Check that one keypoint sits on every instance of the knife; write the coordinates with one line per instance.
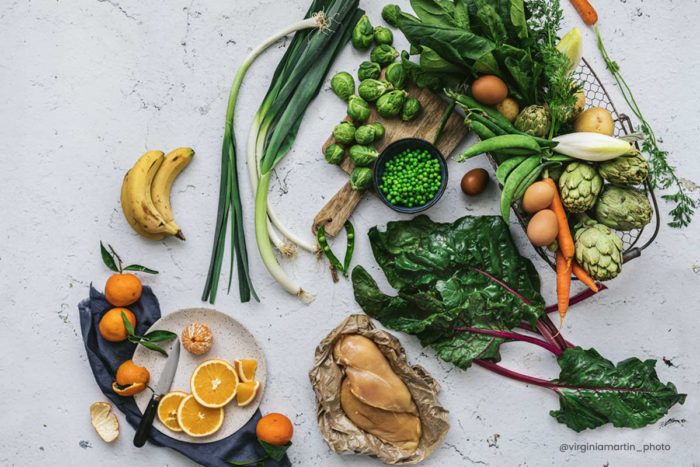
(163, 386)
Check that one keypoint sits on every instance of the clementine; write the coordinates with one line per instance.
(123, 289)
(112, 326)
(275, 429)
(130, 379)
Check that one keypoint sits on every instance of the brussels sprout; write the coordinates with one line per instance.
(372, 89)
(344, 133)
(334, 154)
(361, 178)
(343, 85)
(365, 135)
(383, 54)
(411, 109)
(378, 130)
(369, 70)
(383, 35)
(396, 75)
(363, 156)
(391, 14)
(358, 109)
(363, 34)
(391, 103)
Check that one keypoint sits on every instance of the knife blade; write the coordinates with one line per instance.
(164, 382)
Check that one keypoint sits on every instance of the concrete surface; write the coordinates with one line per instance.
(88, 85)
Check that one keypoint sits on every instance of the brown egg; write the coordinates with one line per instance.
(489, 90)
(537, 197)
(542, 229)
(474, 182)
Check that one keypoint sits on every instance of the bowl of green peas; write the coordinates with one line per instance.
(410, 175)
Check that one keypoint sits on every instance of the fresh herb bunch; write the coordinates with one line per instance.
(150, 339)
(662, 173)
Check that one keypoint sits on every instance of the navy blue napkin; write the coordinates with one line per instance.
(105, 357)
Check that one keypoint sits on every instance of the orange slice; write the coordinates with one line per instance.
(167, 409)
(197, 420)
(246, 369)
(214, 383)
(246, 392)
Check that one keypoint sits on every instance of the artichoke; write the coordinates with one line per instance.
(369, 70)
(383, 54)
(534, 120)
(372, 89)
(411, 109)
(383, 35)
(598, 251)
(334, 154)
(358, 109)
(361, 178)
(579, 186)
(623, 208)
(363, 156)
(343, 85)
(344, 133)
(378, 130)
(391, 103)
(396, 75)
(366, 134)
(625, 170)
(363, 34)
(391, 14)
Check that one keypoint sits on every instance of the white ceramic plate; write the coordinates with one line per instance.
(232, 341)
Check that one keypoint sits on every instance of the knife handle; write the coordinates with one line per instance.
(144, 428)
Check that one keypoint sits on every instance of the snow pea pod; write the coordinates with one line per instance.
(500, 143)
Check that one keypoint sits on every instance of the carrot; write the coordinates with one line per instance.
(585, 11)
(563, 286)
(564, 238)
(584, 277)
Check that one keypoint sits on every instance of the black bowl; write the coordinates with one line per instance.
(395, 149)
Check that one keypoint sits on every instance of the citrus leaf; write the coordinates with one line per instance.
(152, 346)
(108, 259)
(127, 325)
(138, 267)
(159, 336)
(275, 452)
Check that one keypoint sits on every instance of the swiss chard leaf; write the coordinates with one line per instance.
(593, 391)
(448, 277)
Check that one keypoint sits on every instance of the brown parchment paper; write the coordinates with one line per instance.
(342, 436)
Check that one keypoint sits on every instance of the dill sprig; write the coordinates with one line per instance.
(662, 173)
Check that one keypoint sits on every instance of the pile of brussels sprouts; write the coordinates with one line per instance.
(387, 95)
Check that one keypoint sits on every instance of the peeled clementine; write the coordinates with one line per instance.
(112, 326)
(274, 428)
(123, 289)
(130, 379)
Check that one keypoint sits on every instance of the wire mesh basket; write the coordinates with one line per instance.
(634, 241)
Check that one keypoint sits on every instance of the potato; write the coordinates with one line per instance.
(595, 120)
(580, 102)
(509, 108)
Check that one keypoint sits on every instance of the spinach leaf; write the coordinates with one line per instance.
(491, 22)
(518, 19)
(461, 14)
(433, 80)
(455, 45)
(593, 391)
(451, 276)
(435, 12)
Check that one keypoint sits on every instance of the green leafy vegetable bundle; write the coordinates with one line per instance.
(462, 289)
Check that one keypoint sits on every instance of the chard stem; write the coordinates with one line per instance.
(514, 336)
(514, 374)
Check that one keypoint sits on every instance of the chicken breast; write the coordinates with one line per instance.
(400, 429)
(370, 376)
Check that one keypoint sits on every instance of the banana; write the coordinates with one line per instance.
(174, 163)
(129, 213)
(137, 203)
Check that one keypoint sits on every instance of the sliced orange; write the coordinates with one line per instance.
(246, 369)
(246, 392)
(197, 420)
(167, 409)
(214, 383)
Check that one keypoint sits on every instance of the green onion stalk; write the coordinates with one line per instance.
(297, 80)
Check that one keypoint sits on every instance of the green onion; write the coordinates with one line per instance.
(296, 82)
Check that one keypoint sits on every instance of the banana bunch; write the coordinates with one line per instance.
(145, 195)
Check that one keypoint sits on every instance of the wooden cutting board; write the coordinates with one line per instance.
(341, 206)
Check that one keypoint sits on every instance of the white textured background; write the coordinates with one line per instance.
(86, 86)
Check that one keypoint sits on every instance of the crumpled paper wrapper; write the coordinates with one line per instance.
(342, 436)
